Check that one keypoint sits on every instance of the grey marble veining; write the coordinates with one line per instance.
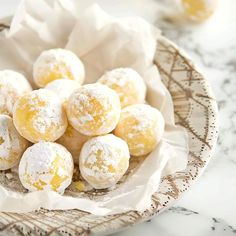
(181, 221)
(208, 208)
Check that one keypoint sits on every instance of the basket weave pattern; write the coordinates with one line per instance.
(195, 109)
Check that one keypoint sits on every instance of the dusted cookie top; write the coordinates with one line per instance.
(12, 86)
(94, 109)
(12, 145)
(39, 116)
(63, 88)
(142, 127)
(46, 166)
(104, 160)
(128, 84)
(56, 64)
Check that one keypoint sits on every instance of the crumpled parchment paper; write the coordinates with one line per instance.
(103, 42)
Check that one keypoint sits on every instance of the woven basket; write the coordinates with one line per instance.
(195, 109)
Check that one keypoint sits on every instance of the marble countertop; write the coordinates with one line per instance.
(209, 207)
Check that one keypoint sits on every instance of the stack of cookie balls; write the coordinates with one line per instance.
(95, 126)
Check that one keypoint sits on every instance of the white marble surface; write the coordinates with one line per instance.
(209, 207)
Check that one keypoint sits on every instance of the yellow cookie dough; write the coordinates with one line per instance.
(12, 145)
(128, 84)
(142, 127)
(73, 141)
(93, 109)
(12, 86)
(46, 166)
(56, 64)
(63, 88)
(199, 10)
(104, 160)
(39, 116)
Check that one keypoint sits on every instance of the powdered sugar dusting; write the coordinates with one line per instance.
(94, 104)
(121, 76)
(47, 115)
(73, 141)
(39, 116)
(12, 86)
(142, 127)
(127, 83)
(12, 145)
(61, 60)
(100, 159)
(37, 166)
(143, 114)
(63, 88)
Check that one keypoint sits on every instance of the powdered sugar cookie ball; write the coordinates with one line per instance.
(142, 127)
(56, 64)
(127, 83)
(12, 86)
(104, 160)
(12, 145)
(39, 116)
(199, 10)
(73, 141)
(94, 109)
(46, 166)
(63, 88)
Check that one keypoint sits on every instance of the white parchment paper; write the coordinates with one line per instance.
(103, 42)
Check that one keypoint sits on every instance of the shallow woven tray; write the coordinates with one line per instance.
(195, 109)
